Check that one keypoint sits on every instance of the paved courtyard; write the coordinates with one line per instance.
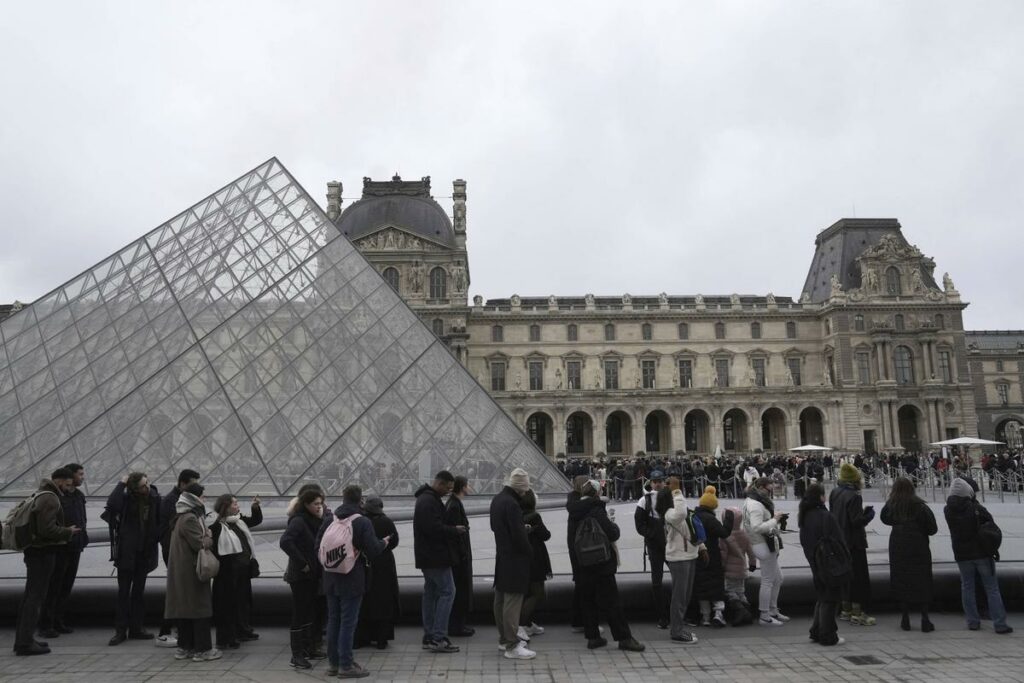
(881, 653)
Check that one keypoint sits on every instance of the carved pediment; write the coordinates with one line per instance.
(390, 238)
(890, 248)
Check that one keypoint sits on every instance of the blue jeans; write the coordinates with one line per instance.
(438, 596)
(342, 615)
(986, 569)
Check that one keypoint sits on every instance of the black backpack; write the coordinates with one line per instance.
(591, 544)
(832, 560)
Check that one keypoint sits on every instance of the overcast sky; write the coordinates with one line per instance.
(608, 147)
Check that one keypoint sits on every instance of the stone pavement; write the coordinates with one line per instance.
(748, 654)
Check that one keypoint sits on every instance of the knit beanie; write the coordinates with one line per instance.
(578, 481)
(848, 474)
(961, 488)
(709, 500)
(519, 480)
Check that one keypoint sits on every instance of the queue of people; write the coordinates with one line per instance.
(342, 573)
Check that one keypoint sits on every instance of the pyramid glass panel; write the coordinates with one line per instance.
(247, 339)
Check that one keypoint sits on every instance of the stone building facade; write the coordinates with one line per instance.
(871, 356)
(997, 368)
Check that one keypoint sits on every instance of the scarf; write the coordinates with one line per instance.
(762, 499)
(229, 543)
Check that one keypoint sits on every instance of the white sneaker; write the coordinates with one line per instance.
(165, 641)
(841, 641)
(534, 630)
(523, 635)
(183, 654)
(520, 652)
(769, 621)
(207, 656)
(780, 617)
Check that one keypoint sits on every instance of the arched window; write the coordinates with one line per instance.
(904, 362)
(893, 286)
(609, 332)
(719, 330)
(791, 330)
(940, 321)
(391, 277)
(572, 333)
(645, 331)
(898, 321)
(438, 326)
(535, 333)
(497, 334)
(755, 330)
(438, 283)
(684, 331)
(858, 323)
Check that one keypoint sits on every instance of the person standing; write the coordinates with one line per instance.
(599, 592)
(709, 579)
(344, 591)
(761, 523)
(232, 587)
(815, 523)
(681, 553)
(51, 620)
(48, 532)
(651, 527)
(379, 611)
(540, 565)
(462, 570)
(576, 609)
(513, 553)
(975, 558)
(910, 557)
(433, 542)
(738, 560)
(847, 506)
(303, 574)
(168, 515)
(133, 515)
(189, 599)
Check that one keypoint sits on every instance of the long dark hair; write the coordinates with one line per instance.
(812, 499)
(663, 503)
(903, 499)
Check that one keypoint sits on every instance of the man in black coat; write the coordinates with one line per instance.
(167, 516)
(51, 620)
(847, 506)
(511, 563)
(133, 514)
(462, 570)
(652, 528)
(433, 550)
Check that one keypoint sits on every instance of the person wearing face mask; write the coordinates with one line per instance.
(188, 599)
(232, 587)
(133, 514)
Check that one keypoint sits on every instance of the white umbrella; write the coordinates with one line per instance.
(811, 447)
(967, 441)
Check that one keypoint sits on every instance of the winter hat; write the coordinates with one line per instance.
(709, 500)
(848, 474)
(374, 506)
(519, 480)
(961, 488)
(578, 481)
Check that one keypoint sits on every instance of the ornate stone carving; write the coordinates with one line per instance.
(916, 283)
(890, 248)
(734, 299)
(627, 300)
(699, 300)
(478, 300)
(771, 299)
(663, 298)
(459, 277)
(394, 240)
(871, 280)
(516, 301)
(552, 301)
(416, 274)
(836, 286)
(589, 299)
(805, 298)
(947, 283)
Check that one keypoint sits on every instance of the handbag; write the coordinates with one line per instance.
(207, 564)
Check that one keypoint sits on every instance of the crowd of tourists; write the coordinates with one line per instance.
(342, 574)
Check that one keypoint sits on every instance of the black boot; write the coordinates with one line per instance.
(298, 643)
(314, 644)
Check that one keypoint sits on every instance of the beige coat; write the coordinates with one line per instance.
(187, 596)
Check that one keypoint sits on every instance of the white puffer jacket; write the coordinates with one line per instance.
(758, 522)
(677, 535)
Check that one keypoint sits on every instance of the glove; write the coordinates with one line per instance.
(869, 512)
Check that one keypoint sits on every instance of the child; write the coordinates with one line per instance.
(737, 558)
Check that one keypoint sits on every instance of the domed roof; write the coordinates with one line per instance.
(403, 204)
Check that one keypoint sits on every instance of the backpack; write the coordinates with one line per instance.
(696, 528)
(338, 553)
(833, 562)
(17, 526)
(591, 544)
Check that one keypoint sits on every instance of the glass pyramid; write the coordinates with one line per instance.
(249, 340)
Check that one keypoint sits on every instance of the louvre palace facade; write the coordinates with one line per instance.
(871, 356)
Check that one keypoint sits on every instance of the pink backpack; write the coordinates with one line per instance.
(338, 553)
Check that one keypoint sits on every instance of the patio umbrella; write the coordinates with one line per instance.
(967, 441)
(811, 447)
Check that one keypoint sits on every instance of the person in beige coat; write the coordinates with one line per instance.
(189, 600)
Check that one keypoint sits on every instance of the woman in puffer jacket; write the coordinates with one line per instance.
(761, 523)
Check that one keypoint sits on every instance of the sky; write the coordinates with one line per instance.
(685, 147)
